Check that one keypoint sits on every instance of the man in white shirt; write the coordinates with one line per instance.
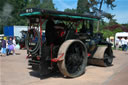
(124, 44)
(118, 43)
(127, 43)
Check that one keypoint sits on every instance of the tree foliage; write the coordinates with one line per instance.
(110, 3)
(70, 10)
(82, 6)
(32, 3)
(2, 4)
(18, 6)
(47, 4)
(110, 30)
(99, 3)
(10, 10)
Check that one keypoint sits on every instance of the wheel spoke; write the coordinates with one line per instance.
(74, 58)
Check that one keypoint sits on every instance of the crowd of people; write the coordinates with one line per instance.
(122, 42)
(8, 46)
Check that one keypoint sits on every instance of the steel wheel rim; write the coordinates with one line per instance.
(74, 58)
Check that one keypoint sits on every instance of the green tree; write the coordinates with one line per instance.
(17, 7)
(117, 30)
(5, 15)
(32, 3)
(10, 10)
(110, 3)
(126, 24)
(2, 2)
(106, 33)
(112, 21)
(98, 3)
(9, 13)
(83, 6)
(70, 10)
(47, 4)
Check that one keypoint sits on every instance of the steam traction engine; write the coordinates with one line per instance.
(64, 48)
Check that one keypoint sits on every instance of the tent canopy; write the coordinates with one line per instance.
(59, 15)
(121, 34)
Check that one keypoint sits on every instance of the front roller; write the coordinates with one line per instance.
(74, 60)
(102, 57)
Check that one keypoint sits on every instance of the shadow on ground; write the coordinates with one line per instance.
(100, 66)
(52, 74)
(17, 53)
(126, 53)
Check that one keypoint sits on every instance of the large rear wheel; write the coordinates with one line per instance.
(74, 59)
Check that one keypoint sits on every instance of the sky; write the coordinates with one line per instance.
(120, 11)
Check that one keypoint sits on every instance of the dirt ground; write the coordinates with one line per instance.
(14, 70)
